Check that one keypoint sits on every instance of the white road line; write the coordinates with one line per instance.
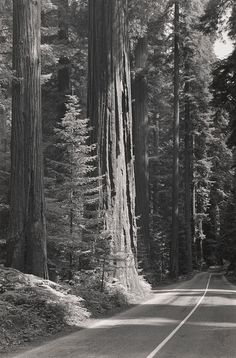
(163, 343)
(181, 290)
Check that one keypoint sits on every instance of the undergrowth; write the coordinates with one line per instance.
(32, 308)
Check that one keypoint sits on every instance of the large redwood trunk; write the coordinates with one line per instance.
(110, 111)
(27, 230)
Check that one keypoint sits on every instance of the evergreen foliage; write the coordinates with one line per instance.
(73, 191)
(76, 185)
(223, 90)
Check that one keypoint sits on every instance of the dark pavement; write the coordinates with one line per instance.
(194, 319)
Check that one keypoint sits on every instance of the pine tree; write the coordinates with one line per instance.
(74, 192)
(77, 185)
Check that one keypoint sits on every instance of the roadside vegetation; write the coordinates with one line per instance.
(32, 308)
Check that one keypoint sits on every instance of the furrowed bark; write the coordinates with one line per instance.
(27, 229)
(110, 111)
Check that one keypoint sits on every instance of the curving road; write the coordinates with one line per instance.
(194, 319)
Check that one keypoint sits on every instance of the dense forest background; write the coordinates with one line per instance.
(121, 121)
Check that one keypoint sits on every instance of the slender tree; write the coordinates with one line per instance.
(175, 189)
(63, 75)
(188, 176)
(110, 111)
(141, 150)
(27, 228)
(188, 139)
(63, 19)
(3, 137)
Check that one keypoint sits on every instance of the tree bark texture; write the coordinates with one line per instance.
(110, 111)
(174, 252)
(194, 206)
(188, 173)
(199, 241)
(64, 61)
(27, 230)
(3, 138)
(63, 19)
(141, 151)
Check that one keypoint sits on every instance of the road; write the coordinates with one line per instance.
(194, 319)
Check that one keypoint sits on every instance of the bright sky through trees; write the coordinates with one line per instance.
(223, 47)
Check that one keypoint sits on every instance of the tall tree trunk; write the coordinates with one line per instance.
(199, 242)
(174, 252)
(194, 205)
(188, 173)
(27, 229)
(141, 151)
(63, 19)
(110, 111)
(3, 138)
(217, 228)
(64, 61)
(154, 143)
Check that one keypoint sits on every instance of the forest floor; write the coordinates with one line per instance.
(33, 310)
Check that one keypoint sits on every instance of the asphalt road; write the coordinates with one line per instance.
(194, 319)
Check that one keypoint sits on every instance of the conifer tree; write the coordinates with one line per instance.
(76, 184)
(74, 192)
